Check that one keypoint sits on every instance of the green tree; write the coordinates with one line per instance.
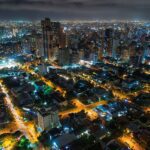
(23, 144)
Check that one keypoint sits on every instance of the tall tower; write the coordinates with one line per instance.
(63, 56)
(102, 40)
(53, 38)
(46, 25)
(109, 41)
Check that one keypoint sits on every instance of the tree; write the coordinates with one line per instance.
(23, 144)
(47, 90)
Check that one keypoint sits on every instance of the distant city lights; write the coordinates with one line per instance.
(8, 63)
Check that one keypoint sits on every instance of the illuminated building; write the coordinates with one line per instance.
(48, 119)
(62, 39)
(25, 45)
(125, 55)
(35, 41)
(2, 32)
(74, 56)
(63, 56)
(101, 49)
(73, 40)
(132, 51)
(115, 46)
(108, 41)
(93, 57)
(14, 32)
(81, 54)
(53, 38)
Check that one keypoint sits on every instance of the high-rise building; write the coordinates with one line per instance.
(48, 119)
(116, 44)
(14, 32)
(2, 32)
(63, 56)
(53, 38)
(109, 41)
(81, 54)
(74, 56)
(125, 55)
(101, 49)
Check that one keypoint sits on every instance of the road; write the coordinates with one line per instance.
(27, 131)
(107, 86)
(46, 81)
(8, 143)
(80, 106)
(128, 140)
(10, 128)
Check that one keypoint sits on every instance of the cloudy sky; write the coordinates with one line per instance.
(75, 9)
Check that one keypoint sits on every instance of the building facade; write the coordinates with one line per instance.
(48, 119)
(53, 38)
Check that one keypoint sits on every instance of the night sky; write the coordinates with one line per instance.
(75, 9)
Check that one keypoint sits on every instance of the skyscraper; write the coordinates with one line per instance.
(101, 48)
(53, 38)
(109, 41)
(63, 56)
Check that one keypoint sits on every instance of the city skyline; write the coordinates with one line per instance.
(74, 75)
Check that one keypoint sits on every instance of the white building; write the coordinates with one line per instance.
(48, 119)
